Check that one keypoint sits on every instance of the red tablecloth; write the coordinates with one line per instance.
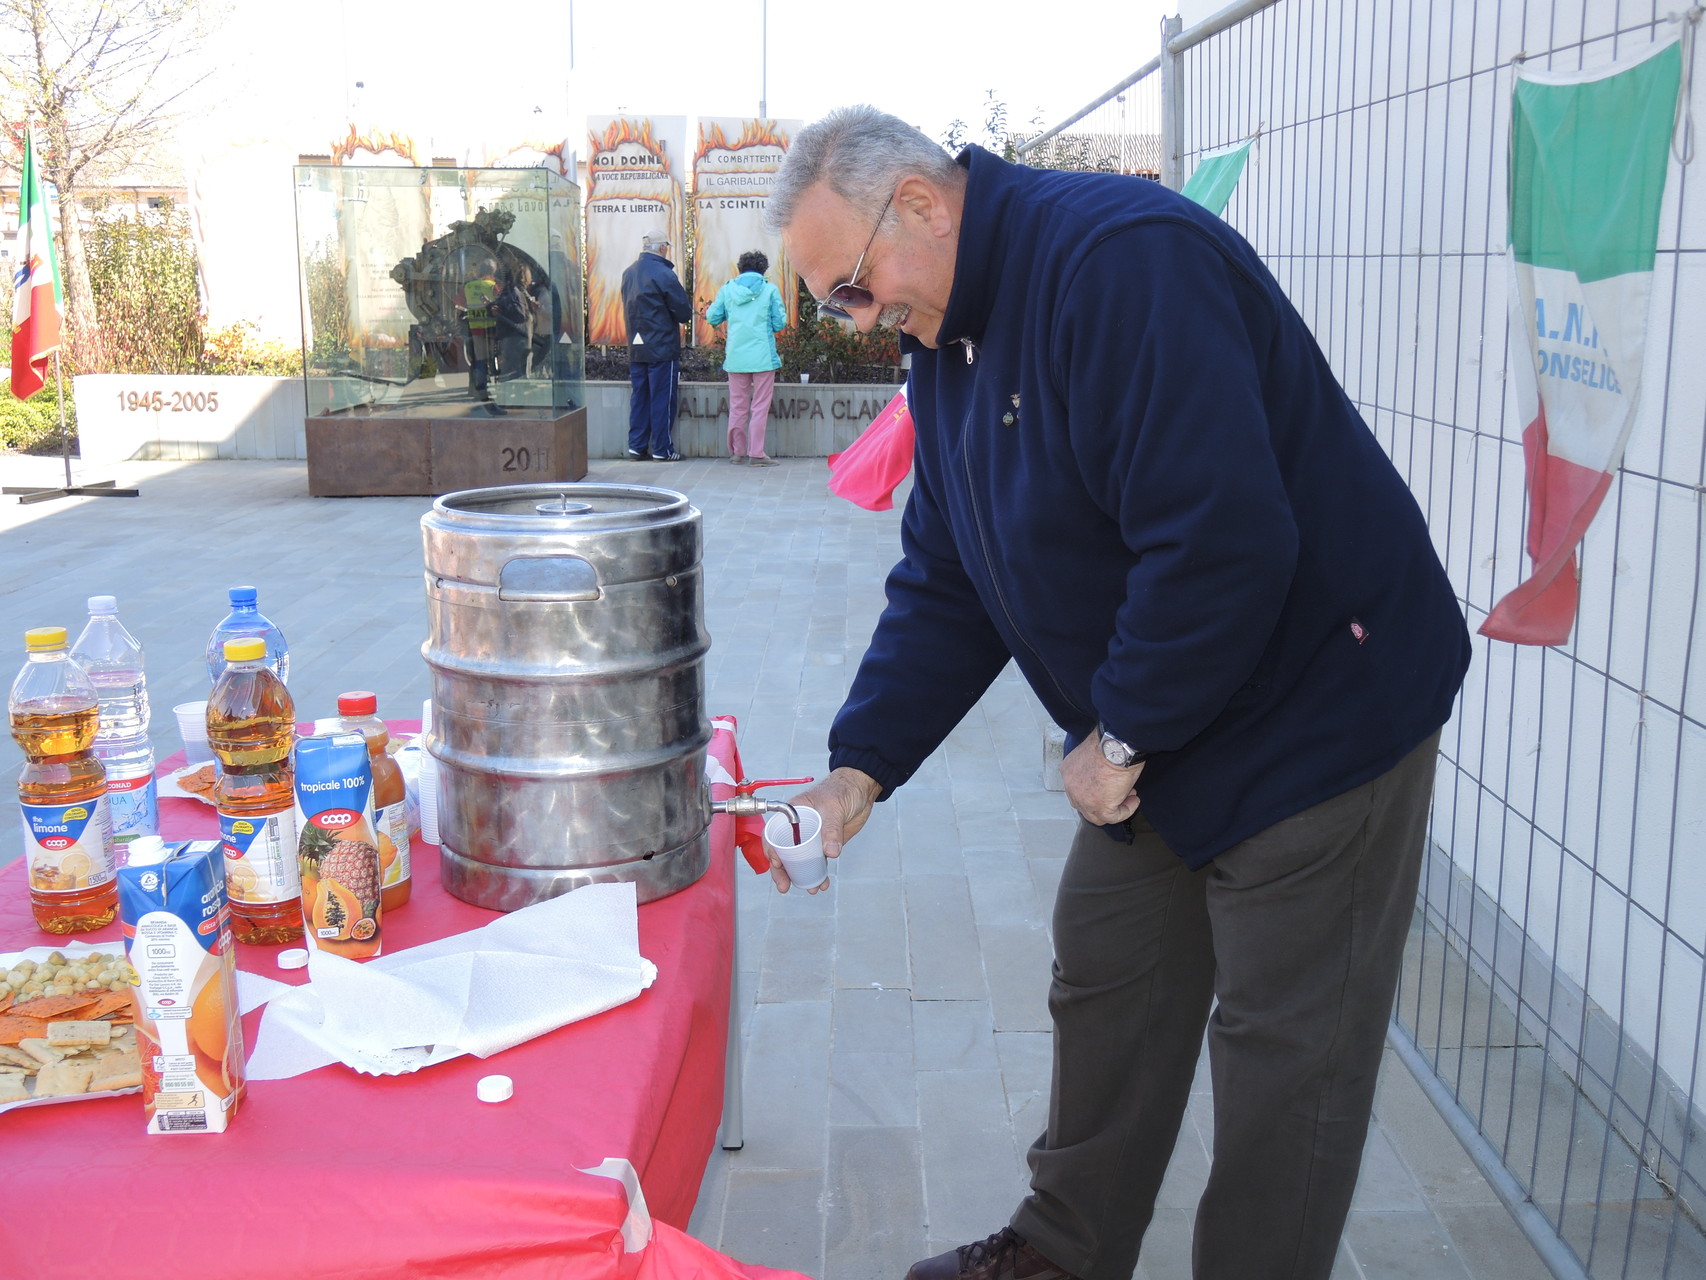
(336, 1174)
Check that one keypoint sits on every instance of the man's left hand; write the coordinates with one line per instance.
(1101, 792)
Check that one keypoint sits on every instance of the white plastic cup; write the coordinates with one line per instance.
(192, 728)
(805, 377)
(805, 863)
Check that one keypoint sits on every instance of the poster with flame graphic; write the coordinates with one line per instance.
(732, 170)
(634, 185)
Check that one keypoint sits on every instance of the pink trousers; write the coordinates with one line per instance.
(749, 409)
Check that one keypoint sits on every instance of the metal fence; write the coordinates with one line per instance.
(1551, 1000)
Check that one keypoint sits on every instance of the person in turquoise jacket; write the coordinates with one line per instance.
(752, 308)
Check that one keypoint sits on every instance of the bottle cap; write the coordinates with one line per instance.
(245, 650)
(293, 958)
(103, 604)
(147, 851)
(241, 595)
(358, 703)
(39, 638)
(494, 1089)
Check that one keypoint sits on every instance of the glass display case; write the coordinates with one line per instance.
(444, 292)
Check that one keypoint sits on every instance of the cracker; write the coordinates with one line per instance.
(12, 1089)
(63, 1079)
(17, 1058)
(49, 1007)
(14, 1028)
(77, 1033)
(43, 1052)
(116, 1071)
(107, 1004)
(6, 998)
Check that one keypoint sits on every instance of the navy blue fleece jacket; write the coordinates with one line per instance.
(1137, 477)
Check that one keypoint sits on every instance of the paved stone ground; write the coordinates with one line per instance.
(896, 1036)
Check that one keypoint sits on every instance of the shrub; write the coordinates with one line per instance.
(237, 349)
(32, 426)
(142, 269)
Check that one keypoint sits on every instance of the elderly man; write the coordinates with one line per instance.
(1137, 478)
(654, 307)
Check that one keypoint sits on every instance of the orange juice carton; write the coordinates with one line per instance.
(177, 936)
(338, 850)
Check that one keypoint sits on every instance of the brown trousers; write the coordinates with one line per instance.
(1295, 936)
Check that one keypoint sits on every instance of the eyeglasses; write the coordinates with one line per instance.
(847, 295)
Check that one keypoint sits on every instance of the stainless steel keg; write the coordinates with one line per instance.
(567, 644)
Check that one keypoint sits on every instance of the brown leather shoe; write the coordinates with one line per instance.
(1004, 1256)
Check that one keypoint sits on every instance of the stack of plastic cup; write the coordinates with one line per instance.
(428, 784)
(192, 728)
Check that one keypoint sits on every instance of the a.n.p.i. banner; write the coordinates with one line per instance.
(733, 166)
(1588, 155)
(634, 176)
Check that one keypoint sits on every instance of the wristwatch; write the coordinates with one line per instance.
(1122, 755)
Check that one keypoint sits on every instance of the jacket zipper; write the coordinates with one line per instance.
(989, 560)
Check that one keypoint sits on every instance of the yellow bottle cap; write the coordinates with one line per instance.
(244, 650)
(38, 638)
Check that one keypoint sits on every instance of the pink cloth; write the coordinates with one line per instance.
(868, 471)
(749, 411)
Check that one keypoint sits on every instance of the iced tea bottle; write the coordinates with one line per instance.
(62, 789)
(360, 714)
(251, 727)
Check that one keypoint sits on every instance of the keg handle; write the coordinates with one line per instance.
(743, 804)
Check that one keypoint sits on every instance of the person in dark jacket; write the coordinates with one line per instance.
(512, 311)
(1137, 478)
(655, 306)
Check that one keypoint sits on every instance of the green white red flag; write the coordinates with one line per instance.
(37, 302)
(1588, 155)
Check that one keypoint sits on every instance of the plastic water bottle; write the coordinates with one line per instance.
(244, 620)
(112, 658)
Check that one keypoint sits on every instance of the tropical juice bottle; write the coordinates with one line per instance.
(62, 789)
(251, 727)
(360, 714)
(178, 938)
(338, 857)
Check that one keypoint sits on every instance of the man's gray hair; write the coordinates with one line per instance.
(861, 153)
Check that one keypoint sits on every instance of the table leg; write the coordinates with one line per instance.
(733, 1134)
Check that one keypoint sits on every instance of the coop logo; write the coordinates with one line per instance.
(336, 819)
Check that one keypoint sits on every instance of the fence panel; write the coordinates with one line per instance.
(1551, 999)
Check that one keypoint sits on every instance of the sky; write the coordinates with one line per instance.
(430, 69)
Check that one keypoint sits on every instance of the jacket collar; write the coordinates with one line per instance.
(991, 186)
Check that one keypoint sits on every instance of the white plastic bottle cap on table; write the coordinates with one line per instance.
(293, 958)
(494, 1089)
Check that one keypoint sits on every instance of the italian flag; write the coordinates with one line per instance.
(36, 298)
(1588, 154)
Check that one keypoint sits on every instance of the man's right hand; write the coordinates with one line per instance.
(843, 800)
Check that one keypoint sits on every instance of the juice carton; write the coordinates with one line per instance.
(338, 852)
(177, 935)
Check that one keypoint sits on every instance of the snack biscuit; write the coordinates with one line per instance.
(62, 1035)
(64, 1079)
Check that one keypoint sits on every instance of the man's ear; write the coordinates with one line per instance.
(918, 198)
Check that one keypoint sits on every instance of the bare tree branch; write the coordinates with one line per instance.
(101, 79)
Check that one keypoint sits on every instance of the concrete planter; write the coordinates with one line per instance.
(121, 416)
(125, 416)
(807, 420)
